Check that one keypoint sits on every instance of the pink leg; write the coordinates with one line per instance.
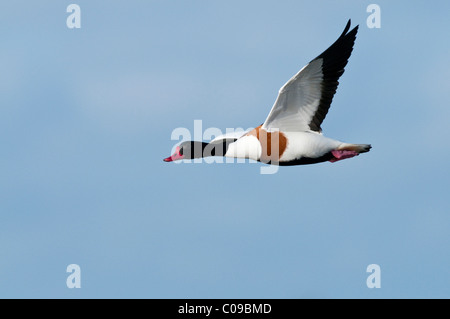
(342, 154)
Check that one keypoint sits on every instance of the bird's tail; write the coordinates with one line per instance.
(359, 148)
(346, 150)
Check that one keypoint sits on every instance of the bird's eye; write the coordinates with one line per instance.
(180, 152)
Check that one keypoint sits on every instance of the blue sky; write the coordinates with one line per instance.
(86, 117)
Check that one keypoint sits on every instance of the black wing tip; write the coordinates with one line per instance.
(335, 59)
(347, 27)
(346, 39)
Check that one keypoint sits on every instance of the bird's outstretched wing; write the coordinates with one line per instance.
(303, 102)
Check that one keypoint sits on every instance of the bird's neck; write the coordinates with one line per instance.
(219, 148)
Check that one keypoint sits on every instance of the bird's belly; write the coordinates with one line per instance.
(245, 147)
(307, 146)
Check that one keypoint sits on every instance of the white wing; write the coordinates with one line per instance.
(303, 102)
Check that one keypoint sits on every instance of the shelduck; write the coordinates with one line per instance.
(291, 134)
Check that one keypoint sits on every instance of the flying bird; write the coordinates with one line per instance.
(292, 133)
